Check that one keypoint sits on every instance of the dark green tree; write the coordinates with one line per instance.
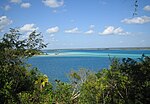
(16, 77)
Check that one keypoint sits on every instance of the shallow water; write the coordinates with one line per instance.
(58, 64)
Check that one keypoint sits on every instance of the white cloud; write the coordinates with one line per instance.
(7, 7)
(74, 30)
(110, 30)
(52, 30)
(4, 21)
(137, 20)
(89, 32)
(16, 1)
(147, 8)
(92, 26)
(28, 28)
(53, 3)
(25, 5)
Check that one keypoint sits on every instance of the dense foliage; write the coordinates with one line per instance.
(19, 83)
(124, 82)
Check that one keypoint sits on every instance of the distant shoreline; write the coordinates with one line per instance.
(116, 48)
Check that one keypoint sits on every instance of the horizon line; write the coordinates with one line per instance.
(107, 48)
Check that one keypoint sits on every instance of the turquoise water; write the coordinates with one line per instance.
(57, 64)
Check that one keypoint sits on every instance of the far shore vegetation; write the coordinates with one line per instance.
(126, 81)
(115, 48)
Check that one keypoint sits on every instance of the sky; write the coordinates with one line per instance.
(79, 23)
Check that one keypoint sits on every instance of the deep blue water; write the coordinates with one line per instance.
(58, 66)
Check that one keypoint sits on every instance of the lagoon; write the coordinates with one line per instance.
(57, 64)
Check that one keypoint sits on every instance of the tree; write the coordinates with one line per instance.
(16, 77)
(135, 8)
(125, 82)
(139, 77)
